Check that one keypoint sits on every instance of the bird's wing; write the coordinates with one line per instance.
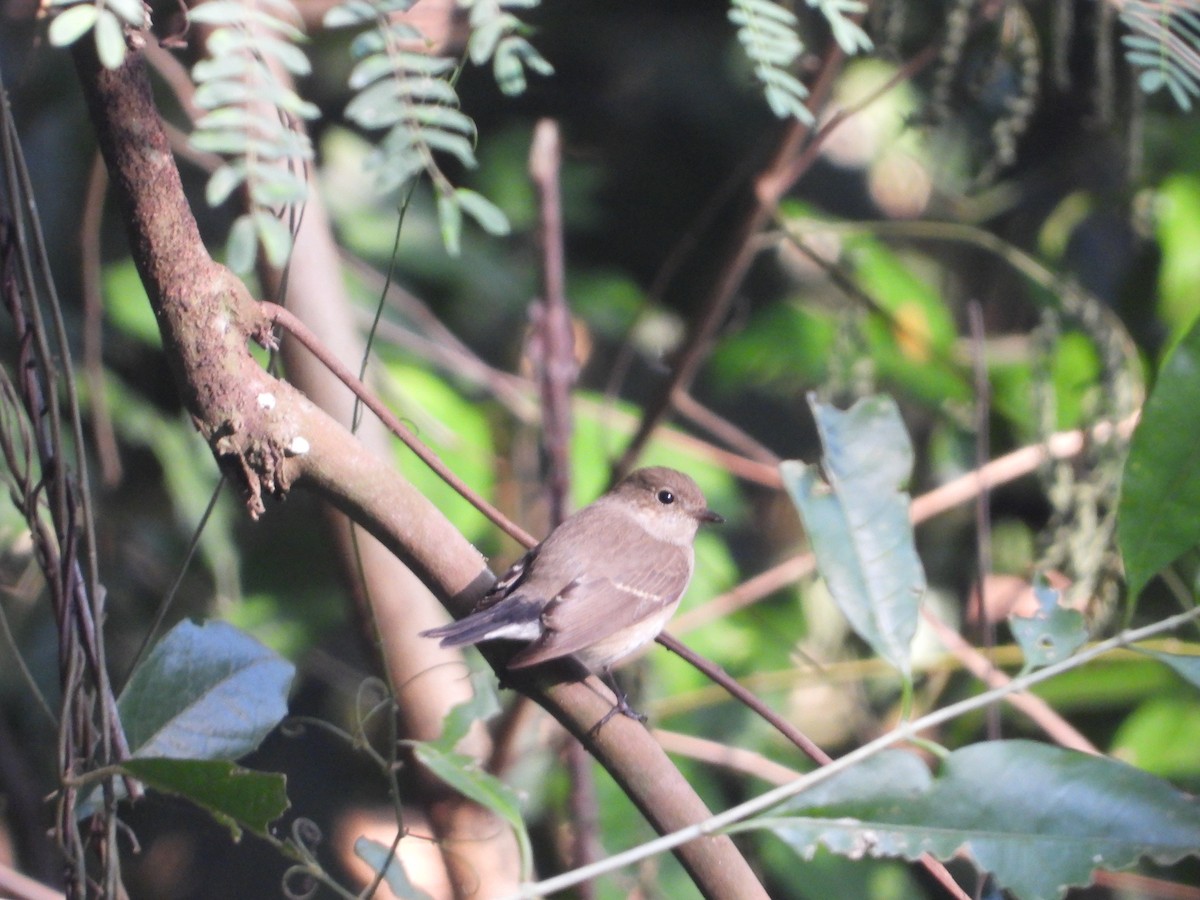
(592, 609)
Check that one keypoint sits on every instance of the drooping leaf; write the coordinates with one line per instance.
(275, 236)
(450, 221)
(489, 216)
(110, 39)
(1160, 492)
(1038, 817)
(857, 520)
(378, 856)
(464, 775)
(236, 797)
(131, 11)
(242, 245)
(1052, 633)
(204, 692)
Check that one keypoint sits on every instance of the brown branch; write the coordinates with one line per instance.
(552, 344)
(93, 324)
(268, 437)
(551, 348)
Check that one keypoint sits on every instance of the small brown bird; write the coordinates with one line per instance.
(603, 583)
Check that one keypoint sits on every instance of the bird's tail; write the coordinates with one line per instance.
(515, 618)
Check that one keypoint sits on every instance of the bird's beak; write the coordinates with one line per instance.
(709, 516)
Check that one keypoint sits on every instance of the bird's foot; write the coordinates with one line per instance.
(621, 706)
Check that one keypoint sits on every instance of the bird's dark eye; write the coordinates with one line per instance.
(665, 497)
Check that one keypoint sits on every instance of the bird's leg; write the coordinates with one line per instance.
(621, 706)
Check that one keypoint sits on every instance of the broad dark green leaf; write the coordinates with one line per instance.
(205, 692)
(1040, 818)
(1160, 491)
(237, 798)
(464, 775)
(1052, 633)
(377, 856)
(857, 521)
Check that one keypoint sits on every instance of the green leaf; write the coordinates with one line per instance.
(70, 24)
(237, 798)
(353, 12)
(223, 141)
(381, 859)
(204, 692)
(1052, 633)
(242, 245)
(462, 774)
(1038, 817)
(483, 705)
(131, 11)
(223, 182)
(110, 39)
(489, 216)
(1160, 491)
(275, 236)
(858, 523)
(450, 220)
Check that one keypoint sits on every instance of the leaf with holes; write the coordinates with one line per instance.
(1052, 633)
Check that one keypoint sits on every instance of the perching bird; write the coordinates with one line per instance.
(601, 584)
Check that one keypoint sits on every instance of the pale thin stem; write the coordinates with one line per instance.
(904, 732)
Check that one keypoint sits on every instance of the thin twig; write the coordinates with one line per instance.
(719, 676)
(278, 315)
(768, 189)
(551, 347)
(93, 324)
(793, 734)
(551, 342)
(983, 513)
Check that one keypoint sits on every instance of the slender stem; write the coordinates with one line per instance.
(278, 315)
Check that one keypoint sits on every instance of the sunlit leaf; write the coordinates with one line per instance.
(242, 245)
(450, 221)
(70, 24)
(489, 216)
(110, 39)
